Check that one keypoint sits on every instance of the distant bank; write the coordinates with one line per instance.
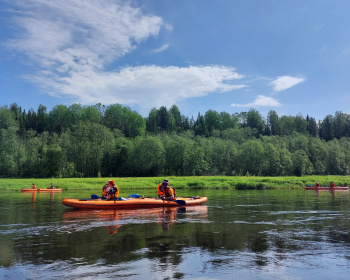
(192, 182)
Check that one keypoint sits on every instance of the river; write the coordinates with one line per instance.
(255, 234)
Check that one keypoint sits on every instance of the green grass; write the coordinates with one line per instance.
(195, 182)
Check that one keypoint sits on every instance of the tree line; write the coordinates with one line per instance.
(98, 140)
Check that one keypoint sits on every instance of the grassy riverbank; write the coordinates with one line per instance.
(195, 182)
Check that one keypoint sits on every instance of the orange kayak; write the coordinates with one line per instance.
(327, 188)
(41, 190)
(131, 202)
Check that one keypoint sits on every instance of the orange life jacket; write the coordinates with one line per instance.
(332, 185)
(160, 192)
(104, 191)
(166, 193)
(114, 192)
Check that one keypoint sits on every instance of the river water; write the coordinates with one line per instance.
(255, 234)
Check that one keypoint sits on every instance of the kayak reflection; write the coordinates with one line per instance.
(114, 219)
(34, 195)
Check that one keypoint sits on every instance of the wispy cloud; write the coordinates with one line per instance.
(72, 42)
(285, 82)
(160, 49)
(147, 86)
(73, 35)
(260, 101)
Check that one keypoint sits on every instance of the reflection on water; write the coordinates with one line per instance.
(235, 235)
(114, 219)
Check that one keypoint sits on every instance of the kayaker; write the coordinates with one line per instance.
(112, 190)
(52, 186)
(104, 191)
(161, 187)
(169, 192)
(332, 185)
(317, 184)
(33, 186)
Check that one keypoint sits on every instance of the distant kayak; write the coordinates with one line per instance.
(327, 188)
(41, 190)
(131, 202)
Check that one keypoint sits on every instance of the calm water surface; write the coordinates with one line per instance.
(269, 234)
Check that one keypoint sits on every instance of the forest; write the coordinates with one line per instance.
(114, 141)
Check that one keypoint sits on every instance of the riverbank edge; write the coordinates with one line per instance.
(190, 182)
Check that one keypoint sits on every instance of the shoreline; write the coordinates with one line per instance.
(181, 182)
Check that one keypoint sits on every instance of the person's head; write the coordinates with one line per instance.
(165, 184)
(110, 182)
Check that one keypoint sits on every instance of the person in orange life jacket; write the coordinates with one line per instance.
(168, 192)
(33, 186)
(332, 185)
(317, 184)
(104, 191)
(161, 188)
(112, 190)
(51, 186)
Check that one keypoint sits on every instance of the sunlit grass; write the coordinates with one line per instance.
(195, 182)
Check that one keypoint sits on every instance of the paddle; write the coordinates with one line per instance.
(180, 202)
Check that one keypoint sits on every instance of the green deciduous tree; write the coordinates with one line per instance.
(53, 161)
(301, 164)
(88, 144)
(251, 157)
(148, 156)
(59, 119)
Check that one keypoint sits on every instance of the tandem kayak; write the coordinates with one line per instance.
(327, 188)
(41, 190)
(132, 202)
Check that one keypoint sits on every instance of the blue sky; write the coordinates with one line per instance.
(291, 56)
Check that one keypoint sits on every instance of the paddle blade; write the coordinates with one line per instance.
(180, 202)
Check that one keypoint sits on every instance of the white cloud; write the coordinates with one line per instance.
(160, 49)
(260, 101)
(72, 42)
(70, 35)
(146, 86)
(285, 82)
(168, 27)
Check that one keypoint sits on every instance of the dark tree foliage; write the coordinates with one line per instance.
(327, 128)
(312, 126)
(98, 140)
(200, 128)
(255, 121)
